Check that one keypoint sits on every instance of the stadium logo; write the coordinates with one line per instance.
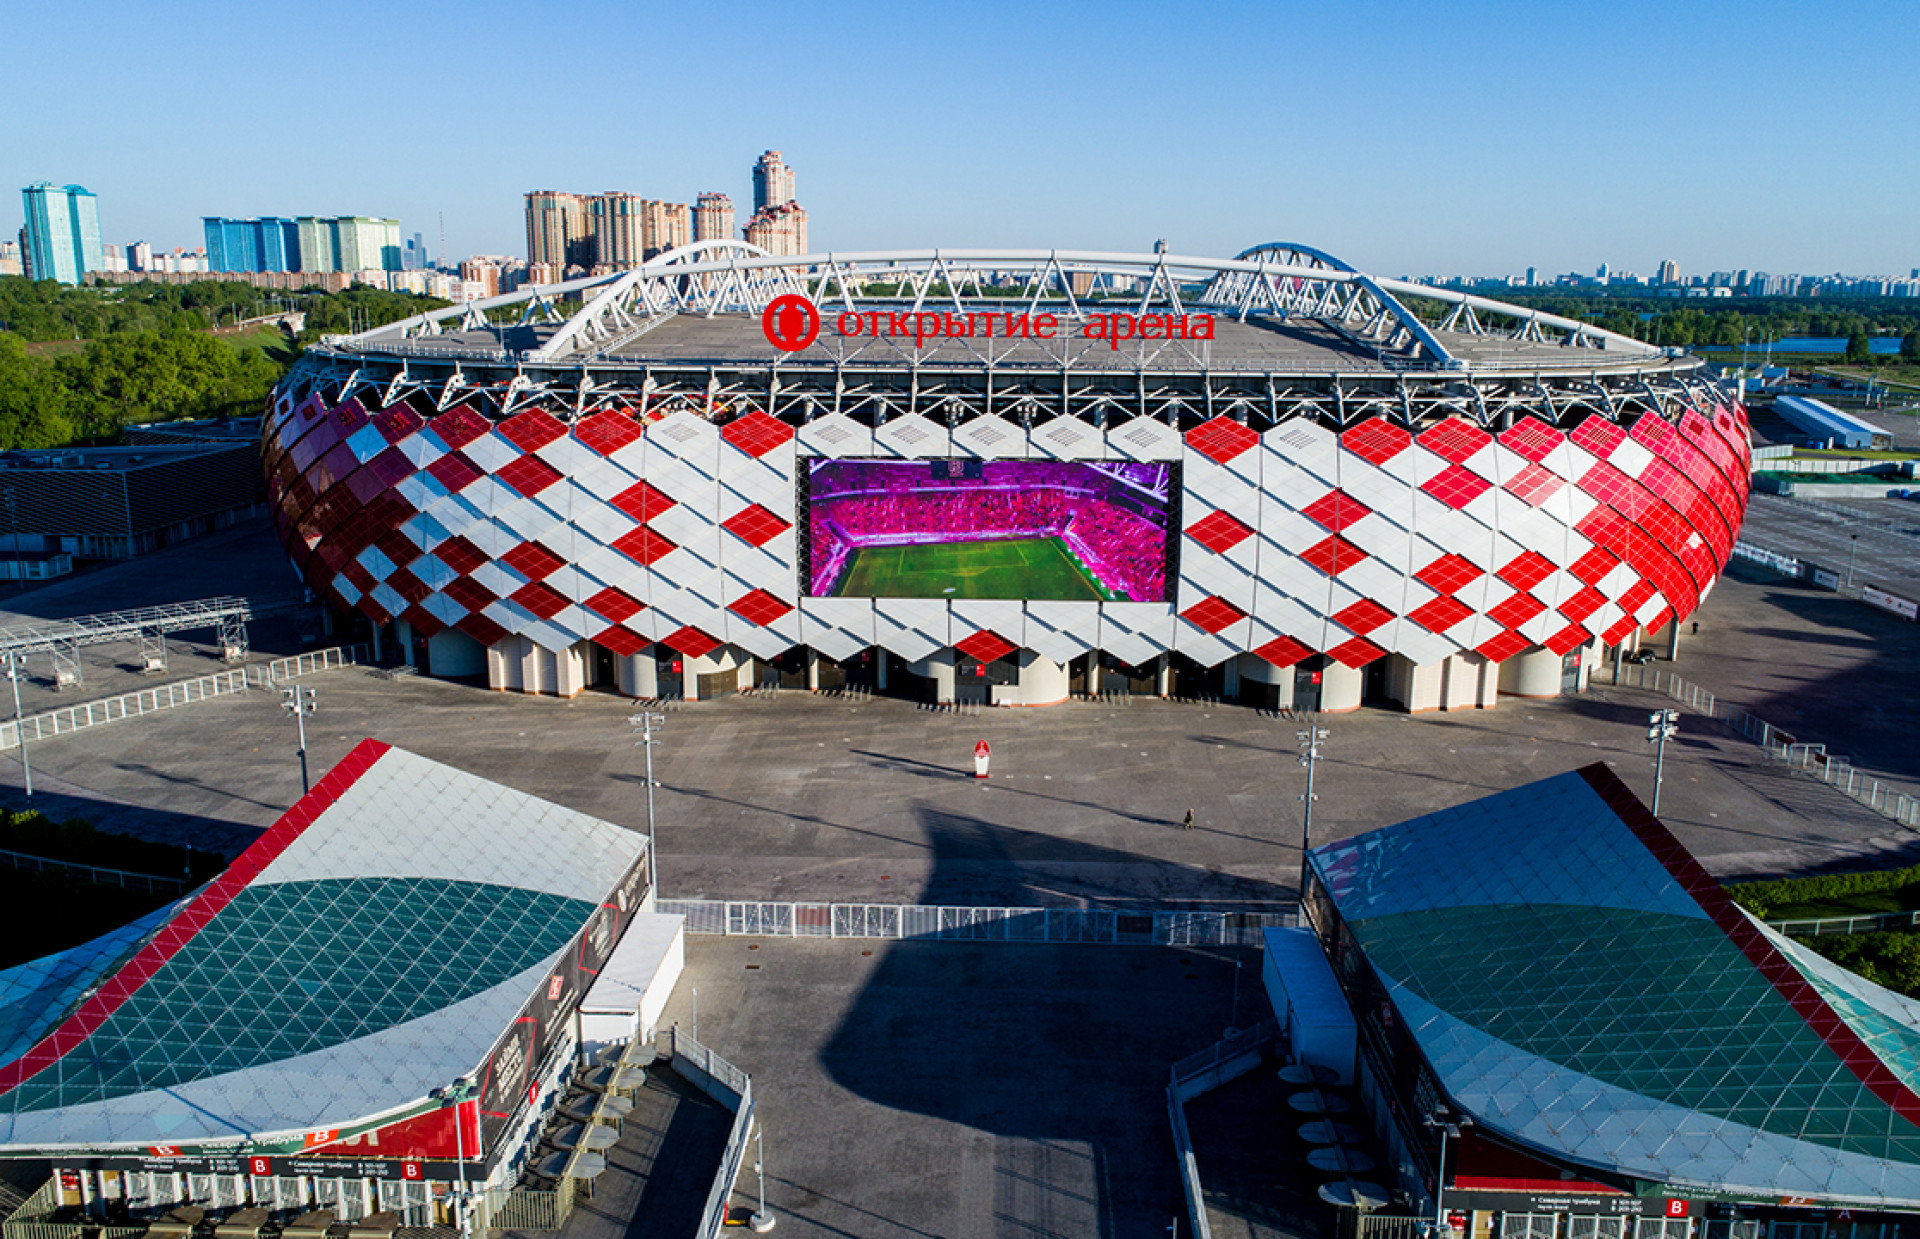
(791, 322)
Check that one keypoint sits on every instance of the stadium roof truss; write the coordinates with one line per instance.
(581, 331)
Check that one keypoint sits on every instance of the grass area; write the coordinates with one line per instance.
(1854, 453)
(1040, 568)
(54, 348)
(268, 340)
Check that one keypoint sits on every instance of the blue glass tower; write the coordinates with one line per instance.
(62, 233)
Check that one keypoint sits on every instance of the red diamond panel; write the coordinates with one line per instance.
(454, 471)
(1516, 610)
(1456, 486)
(398, 547)
(759, 607)
(644, 546)
(460, 427)
(1222, 439)
(641, 501)
(1333, 555)
(608, 431)
(985, 646)
(1583, 604)
(424, 622)
(1621, 630)
(529, 475)
(1594, 566)
(391, 467)
(691, 642)
(1219, 532)
(1641, 591)
(1283, 651)
(1355, 653)
(482, 629)
(1376, 440)
(1535, 484)
(540, 598)
(460, 555)
(1569, 638)
(622, 641)
(532, 561)
(756, 434)
(1213, 614)
(1336, 510)
(1363, 616)
(1526, 570)
(755, 525)
(1499, 649)
(1598, 435)
(615, 604)
(360, 578)
(1454, 439)
(373, 610)
(1530, 438)
(532, 429)
(1449, 574)
(470, 593)
(1440, 614)
(396, 423)
(410, 587)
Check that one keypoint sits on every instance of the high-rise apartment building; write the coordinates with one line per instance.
(365, 243)
(266, 244)
(10, 258)
(1667, 273)
(779, 230)
(669, 225)
(713, 218)
(618, 224)
(317, 242)
(772, 182)
(140, 256)
(558, 231)
(61, 240)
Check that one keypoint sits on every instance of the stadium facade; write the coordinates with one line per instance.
(1008, 477)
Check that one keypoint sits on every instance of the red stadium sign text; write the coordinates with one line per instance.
(1115, 328)
(790, 322)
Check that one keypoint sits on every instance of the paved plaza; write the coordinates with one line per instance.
(982, 1089)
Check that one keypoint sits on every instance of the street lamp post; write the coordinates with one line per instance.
(1449, 1125)
(1310, 738)
(761, 1222)
(299, 703)
(458, 1092)
(1661, 726)
(1853, 544)
(19, 725)
(645, 721)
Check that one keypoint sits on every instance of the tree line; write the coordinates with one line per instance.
(145, 354)
(1730, 322)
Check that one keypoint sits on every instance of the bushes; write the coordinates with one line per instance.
(35, 834)
(1842, 891)
(1888, 957)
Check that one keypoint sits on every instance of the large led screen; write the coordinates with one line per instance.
(1061, 531)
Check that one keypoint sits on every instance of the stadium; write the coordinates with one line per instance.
(1007, 477)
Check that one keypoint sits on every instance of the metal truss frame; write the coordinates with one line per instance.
(574, 372)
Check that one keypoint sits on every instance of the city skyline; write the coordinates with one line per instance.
(1400, 138)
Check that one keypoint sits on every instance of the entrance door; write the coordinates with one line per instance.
(601, 669)
(1570, 670)
(1307, 676)
(718, 684)
(670, 681)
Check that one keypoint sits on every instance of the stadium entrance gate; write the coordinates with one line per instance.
(670, 680)
(1190, 679)
(791, 668)
(1307, 676)
(1119, 677)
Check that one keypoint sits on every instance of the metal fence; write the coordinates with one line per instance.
(1783, 746)
(32, 1220)
(1239, 1052)
(81, 716)
(523, 1208)
(1821, 926)
(1144, 927)
(91, 873)
(732, 1088)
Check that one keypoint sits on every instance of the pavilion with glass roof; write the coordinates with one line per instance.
(373, 997)
(1548, 978)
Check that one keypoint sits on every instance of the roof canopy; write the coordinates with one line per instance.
(1581, 986)
(370, 947)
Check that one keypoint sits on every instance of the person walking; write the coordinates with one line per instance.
(1186, 823)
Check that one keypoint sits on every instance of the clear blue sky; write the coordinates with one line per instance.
(1409, 138)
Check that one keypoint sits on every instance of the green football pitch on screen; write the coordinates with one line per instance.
(1042, 569)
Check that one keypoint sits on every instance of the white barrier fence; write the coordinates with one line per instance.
(732, 1088)
(1241, 1051)
(1824, 578)
(1145, 927)
(1781, 745)
(86, 714)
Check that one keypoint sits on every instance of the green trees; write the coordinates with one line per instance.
(1859, 347)
(1910, 347)
(33, 400)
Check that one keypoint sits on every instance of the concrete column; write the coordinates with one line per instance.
(1341, 687)
(1043, 682)
(1163, 678)
(1534, 673)
(570, 670)
(453, 652)
(403, 633)
(1230, 679)
(1417, 688)
(1673, 639)
(940, 668)
(505, 668)
(813, 670)
(880, 669)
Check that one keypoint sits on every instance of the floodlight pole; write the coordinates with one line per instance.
(460, 1087)
(646, 721)
(19, 724)
(1448, 1127)
(1310, 738)
(761, 1222)
(299, 703)
(1661, 724)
